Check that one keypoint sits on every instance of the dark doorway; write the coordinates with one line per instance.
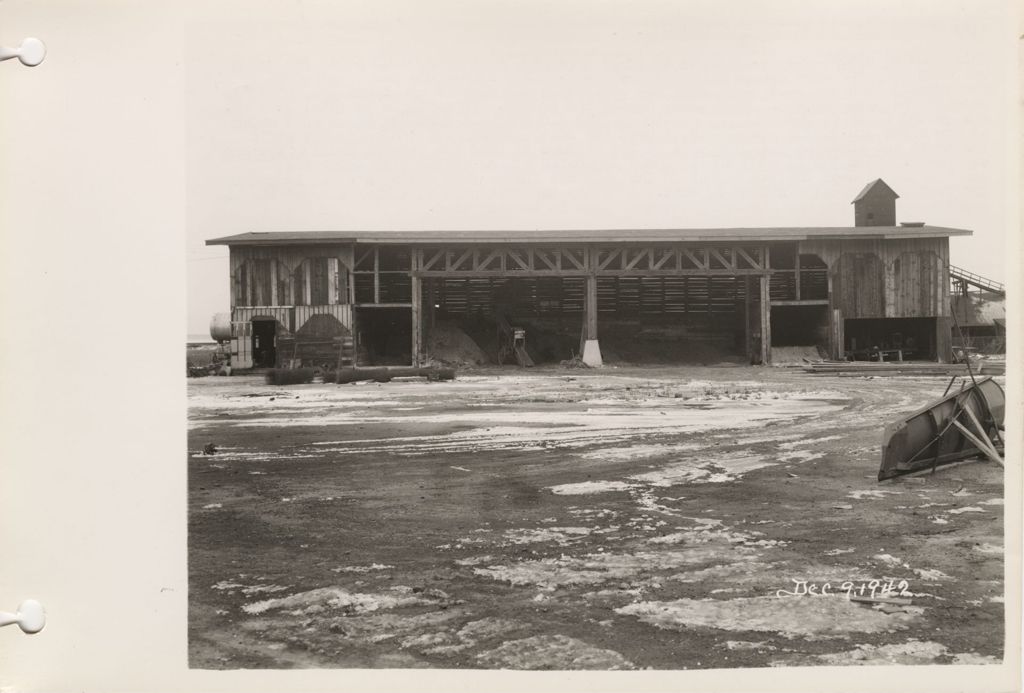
(800, 326)
(383, 336)
(890, 339)
(264, 342)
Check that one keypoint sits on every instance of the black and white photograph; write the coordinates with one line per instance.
(566, 336)
(554, 344)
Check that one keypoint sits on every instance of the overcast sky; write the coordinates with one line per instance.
(556, 115)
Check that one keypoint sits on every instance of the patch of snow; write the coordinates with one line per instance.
(540, 428)
(551, 573)
(870, 493)
(589, 487)
(911, 652)
(718, 469)
(801, 456)
(558, 535)
(746, 645)
(474, 560)
(551, 652)
(807, 617)
(891, 560)
(248, 590)
(362, 568)
(923, 573)
(330, 598)
(632, 452)
(704, 536)
(803, 442)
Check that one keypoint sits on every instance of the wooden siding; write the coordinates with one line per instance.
(859, 285)
(241, 344)
(876, 208)
(292, 318)
(918, 286)
(342, 312)
(886, 278)
(283, 315)
(290, 275)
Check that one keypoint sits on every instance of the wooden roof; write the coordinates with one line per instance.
(880, 184)
(728, 235)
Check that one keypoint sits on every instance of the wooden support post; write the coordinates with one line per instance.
(840, 334)
(943, 340)
(431, 303)
(250, 293)
(350, 278)
(417, 320)
(376, 274)
(332, 280)
(748, 347)
(835, 345)
(591, 307)
(798, 274)
(590, 349)
(274, 299)
(766, 321)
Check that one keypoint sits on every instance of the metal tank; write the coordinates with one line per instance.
(220, 327)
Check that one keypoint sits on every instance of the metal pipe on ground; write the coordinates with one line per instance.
(383, 375)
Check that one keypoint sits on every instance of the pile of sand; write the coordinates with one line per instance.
(794, 355)
(449, 345)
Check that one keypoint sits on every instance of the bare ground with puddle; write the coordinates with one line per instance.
(614, 519)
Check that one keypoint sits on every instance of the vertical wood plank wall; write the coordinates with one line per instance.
(341, 311)
(887, 278)
(282, 281)
(895, 278)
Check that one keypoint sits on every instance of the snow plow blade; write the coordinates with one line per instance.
(947, 430)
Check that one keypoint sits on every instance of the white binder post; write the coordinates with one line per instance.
(31, 617)
(30, 53)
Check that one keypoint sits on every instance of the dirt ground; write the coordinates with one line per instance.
(621, 518)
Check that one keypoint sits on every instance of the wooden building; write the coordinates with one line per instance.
(870, 289)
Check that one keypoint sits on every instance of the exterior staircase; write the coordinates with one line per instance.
(962, 278)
